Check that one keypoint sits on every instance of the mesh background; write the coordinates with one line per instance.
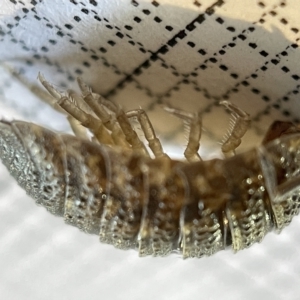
(190, 54)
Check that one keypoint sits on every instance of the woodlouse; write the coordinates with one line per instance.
(107, 184)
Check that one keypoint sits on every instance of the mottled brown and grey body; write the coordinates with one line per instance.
(157, 205)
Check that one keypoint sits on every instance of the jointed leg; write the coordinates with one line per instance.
(121, 130)
(92, 113)
(154, 142)
(239, 124)
(194, 122)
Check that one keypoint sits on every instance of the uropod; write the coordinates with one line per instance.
(103, 180)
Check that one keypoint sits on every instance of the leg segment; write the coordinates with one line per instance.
(153, 141)
(194, 123)
(239, 124)
(121, 130)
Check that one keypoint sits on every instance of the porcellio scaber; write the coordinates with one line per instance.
(106, 183)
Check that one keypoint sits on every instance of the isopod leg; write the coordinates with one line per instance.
(239, 124)
(194, 122)
(77, 128)
(100, 106)
(87, 120)
(153, 140)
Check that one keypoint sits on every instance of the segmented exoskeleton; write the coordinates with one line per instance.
(111, 187)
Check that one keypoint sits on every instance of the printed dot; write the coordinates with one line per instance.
(231, 45)
(77, 19)
(266, 98)
(233, 75)
(131, 42)
(112, 43)
(157, 19)
(45, 49)
(242, 37)
(255, 91)
(263, 53)
(163, 50)
(73, 42)
(295, 30)
(296, 77)
(120, 35)
(154, 3)
(85, 11)
(172, 42)
(294, 46)
(196, 3)
(69, 26)
(202, 52)
(273, 13)
(78, 71)
(222, 52)
(264, 68)
(254, 76)
(84, 49)
(59, 33)
(128, 27)
(200, 19)
(25, 10)
(274, 61)
(251, 29)
(94, 57)
(224, 68)
(103, 50)
(231, 29)
(252, 45)
(191, 44)
(169, 28)
(137, 19)
(203, 67)
(213, 60)
(245, 83)
(134, 3)
(86, 64)
(142, 50)
(109, 26)
(220, 21)
(93, 2)
(283, 21)
(181, 34)
(53, 42)
(97, 18)
(146, 12)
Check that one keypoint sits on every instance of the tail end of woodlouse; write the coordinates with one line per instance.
(24, 150)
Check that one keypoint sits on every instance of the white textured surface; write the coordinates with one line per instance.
(40, 256)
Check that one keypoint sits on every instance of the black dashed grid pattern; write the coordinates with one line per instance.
(152, 53)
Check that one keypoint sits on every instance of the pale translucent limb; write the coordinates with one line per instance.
(77, 128)
(152, 139)
(131, 136)
(86, 120)
(194, 121)
(98, 106)
(239, 124)
(123, 133)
